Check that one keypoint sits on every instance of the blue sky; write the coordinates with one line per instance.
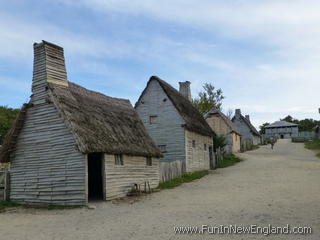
(265, 55)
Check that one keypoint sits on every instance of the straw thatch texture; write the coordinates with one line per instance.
(101, 123)
(194, 121)
(224, 118)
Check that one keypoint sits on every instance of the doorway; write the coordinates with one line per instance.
(95, 176)
(282, 136)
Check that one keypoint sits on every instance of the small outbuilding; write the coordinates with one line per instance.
(222, 125)
(249, 134)
(177, 127)
(69, 144)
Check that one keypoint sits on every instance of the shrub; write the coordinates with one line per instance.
(188, 177)
(229, 160)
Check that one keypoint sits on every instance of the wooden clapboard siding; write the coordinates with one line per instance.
(167, 130)
(197, 158)
(46, 166)
(121, 178)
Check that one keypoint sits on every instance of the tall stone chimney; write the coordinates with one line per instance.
(248, 117)
(238, 112)
(48, 67)
(184, 89)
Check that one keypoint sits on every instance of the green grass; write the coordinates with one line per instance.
(229, 160)
(6, 204)
(314, 145)
(188, 177)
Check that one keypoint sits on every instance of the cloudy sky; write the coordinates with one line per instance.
(265, 55)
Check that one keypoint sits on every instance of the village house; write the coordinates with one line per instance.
(222, 125)
(249, 134)
(69, 144)
(282, 129)
(177, 127)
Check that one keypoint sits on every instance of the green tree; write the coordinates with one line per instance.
(208, 98)
(7, 116)
(220, 141)
(263, 128)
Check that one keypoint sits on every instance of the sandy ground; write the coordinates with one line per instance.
(278, 187)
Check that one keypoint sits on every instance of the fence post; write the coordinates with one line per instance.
(6, 184)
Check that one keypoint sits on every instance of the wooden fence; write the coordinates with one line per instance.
(4, 184)
(219, 155)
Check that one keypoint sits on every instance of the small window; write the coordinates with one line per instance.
(193, 143)
(149, 161)
(118, 159)
(205, 147)
(153, 119)
(163, 148)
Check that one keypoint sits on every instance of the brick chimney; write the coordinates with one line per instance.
(184, 89)
(48, 67)
(248, 117)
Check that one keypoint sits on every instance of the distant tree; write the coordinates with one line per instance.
(7, 116)
(287, 119)
(220, 141)
(229, 113)
(263, 128)
(208, 98)
(308, 124)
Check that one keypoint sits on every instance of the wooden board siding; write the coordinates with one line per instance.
(119, 179)
(246, 133)
(167, 130)
(46, 166)
(197, 157)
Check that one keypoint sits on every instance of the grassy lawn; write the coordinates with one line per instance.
(8, 204)
(229, 160)
(313, 145)
(188, 177)
(5, 204)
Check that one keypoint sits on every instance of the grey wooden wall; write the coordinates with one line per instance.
(121, 178)
(167, 130)
(46, 166)
(247, 138)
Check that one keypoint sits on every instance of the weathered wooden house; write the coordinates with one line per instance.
(249, 134)
(177, 127)
(70, 144)
(282, 129)
(222, 125)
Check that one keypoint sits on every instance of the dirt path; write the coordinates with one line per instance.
(276, 187)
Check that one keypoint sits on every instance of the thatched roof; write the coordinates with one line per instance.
(194, 120)
(217, 112)
(12, 135)
(99, 123)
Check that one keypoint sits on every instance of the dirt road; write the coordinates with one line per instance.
(278, 187)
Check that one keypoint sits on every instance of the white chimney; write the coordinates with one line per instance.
(184, 89)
